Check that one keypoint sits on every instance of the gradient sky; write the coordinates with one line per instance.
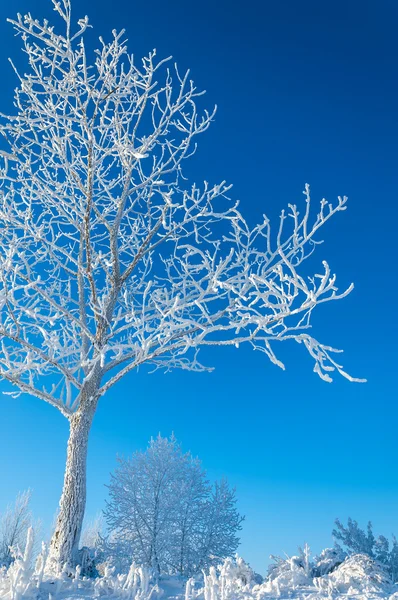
(307, 92)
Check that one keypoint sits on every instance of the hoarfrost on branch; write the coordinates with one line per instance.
(108, 259)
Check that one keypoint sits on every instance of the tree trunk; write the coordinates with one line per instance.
(65, 540)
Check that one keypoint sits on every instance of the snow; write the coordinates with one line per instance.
(357, 577)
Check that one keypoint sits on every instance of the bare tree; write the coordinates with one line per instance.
(108, 260)
(14, 525)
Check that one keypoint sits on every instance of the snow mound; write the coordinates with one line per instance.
(359, 577)
(357, 574)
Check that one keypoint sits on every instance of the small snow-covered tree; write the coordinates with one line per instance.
(109, 260)
(164, 514)
(353, 538)
(14, 525)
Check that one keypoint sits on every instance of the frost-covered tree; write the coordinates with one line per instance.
(164, 514)
(109, 259)
(353, 538)
(14, 525)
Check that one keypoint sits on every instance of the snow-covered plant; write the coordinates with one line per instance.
(327, 561)
(163, 512)
(189, 589)
(306, 559)
(211, 588)
(237, 569)
(4, 584)
(23, 582)
(134, 585)
(353, 538)
(359, 574)
(231, 579)
(24, 577)
(40, 565)
(14, 526)
(109, 260)
(21, 570)
(289, 573)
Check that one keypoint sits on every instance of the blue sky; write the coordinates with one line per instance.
(307, 92)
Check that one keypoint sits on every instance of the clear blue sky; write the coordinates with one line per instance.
(307, 92)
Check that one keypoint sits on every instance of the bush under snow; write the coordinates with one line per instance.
(360, 573)
(327, 561)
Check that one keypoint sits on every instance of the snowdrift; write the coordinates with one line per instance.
(356, 577)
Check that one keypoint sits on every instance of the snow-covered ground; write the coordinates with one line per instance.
(358, 577)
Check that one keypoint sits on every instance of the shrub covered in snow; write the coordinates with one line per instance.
(16, 581)
(358, 574)
(355, 540)
(227, 581)
(327, 561)
(239, 569)
(289, 573)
